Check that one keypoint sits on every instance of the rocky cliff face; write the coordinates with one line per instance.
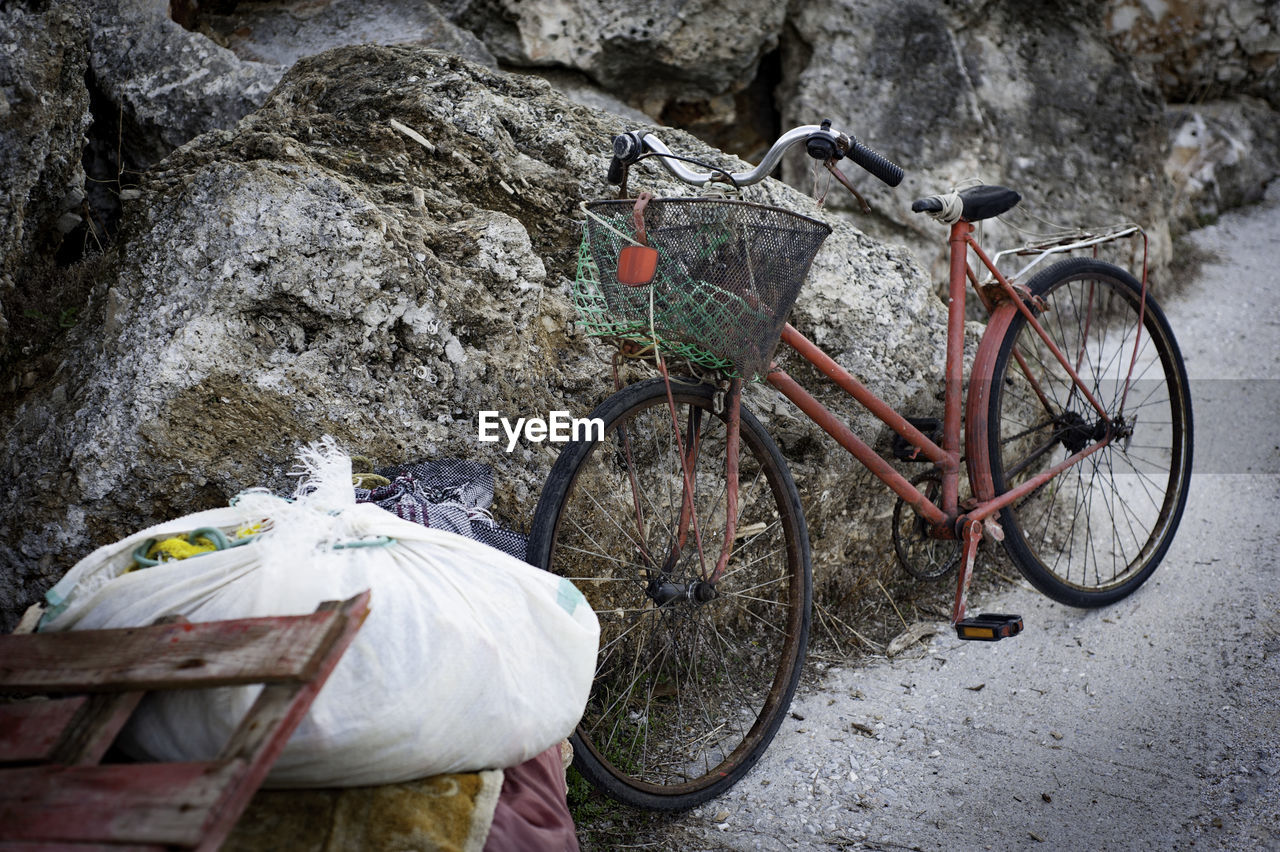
(169, 84)
(1217, 65)
(206, 258)
(648, 51)
(1198, 51)
(319, 270)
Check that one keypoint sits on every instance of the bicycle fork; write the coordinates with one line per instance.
(661, 587)
(688, 508)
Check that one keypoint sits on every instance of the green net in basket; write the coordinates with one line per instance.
(728, 274)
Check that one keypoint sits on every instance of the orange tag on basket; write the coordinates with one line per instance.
(638, 264)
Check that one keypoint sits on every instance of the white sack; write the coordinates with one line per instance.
(470, 659)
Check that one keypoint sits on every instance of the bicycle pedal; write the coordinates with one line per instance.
(903, 450)
(989, 627)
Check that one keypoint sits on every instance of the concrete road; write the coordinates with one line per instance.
(1152, 724)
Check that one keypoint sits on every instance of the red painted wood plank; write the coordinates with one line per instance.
(30, 729)
(125, 803)
(88, 736)
(220, 653)
(269, 724)
(180, 804)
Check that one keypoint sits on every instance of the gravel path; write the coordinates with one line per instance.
(1152, 724)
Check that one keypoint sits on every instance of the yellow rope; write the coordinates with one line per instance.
(187, 545)
(179, 548)
(250, 530)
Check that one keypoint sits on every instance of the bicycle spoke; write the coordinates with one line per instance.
(681, 684)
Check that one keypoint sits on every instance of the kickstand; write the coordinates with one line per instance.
(971, 539)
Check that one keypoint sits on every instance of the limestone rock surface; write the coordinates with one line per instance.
(281, 33)
(170, 85)
(1222, 156)
(1198, 50)
(319, 270)
(983, 91)
(647, 50)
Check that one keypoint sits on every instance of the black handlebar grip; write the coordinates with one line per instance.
(617, 170)
(876, 163)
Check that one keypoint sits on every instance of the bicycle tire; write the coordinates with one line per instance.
(1096, 532)
(687, 695)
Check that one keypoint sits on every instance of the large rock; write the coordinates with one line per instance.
(706, 67)
(316, 270)
(44, 112)
(172, 81)
(163, 73)
(169, 85)
(1032, 98)
(1218, 64)
(283, 33)
(647, 51)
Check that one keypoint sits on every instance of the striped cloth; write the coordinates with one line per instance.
(449, 494)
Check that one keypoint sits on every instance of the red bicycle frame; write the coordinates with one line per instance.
(947, 518)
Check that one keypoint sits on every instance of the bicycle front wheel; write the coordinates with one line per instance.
(690, 687)
(1094, 533)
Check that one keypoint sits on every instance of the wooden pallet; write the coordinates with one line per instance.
(55, 793)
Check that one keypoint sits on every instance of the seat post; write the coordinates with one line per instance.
(955, 365)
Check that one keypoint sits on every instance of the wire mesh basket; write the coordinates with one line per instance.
(728, 273)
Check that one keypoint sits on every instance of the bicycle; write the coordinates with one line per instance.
(1077, 443)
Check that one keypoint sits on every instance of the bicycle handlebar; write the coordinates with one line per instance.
(876, 163)
(821, 143)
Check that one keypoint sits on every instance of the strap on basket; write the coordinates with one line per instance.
(637, 216)
(637, 264)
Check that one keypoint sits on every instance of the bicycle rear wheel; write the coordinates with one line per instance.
(1094, 533)
(687, 693)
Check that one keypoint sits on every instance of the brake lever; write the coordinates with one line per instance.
(835, 170)
(617, 171)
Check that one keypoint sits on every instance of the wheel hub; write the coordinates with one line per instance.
(1076, 433)
(667, 594)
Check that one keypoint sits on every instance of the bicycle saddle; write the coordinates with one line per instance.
(977, 202)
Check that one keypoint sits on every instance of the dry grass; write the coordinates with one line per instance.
(847, 631)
